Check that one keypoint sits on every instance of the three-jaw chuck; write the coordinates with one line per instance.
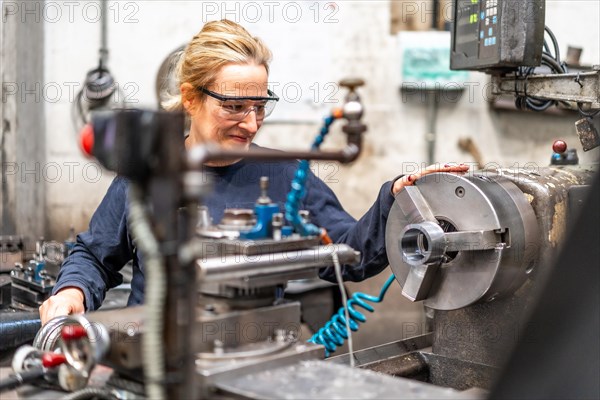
(453, 241)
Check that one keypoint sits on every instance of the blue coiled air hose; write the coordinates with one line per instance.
(333, 334)
(292, 205)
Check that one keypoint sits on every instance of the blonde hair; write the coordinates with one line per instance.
(218, 43)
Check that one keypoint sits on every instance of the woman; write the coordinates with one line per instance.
(223, 73)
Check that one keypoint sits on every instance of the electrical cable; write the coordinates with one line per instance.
(527, 102)
(546, 48)
(555, 65)
(554, 42)
(587, 114)
(155, 294)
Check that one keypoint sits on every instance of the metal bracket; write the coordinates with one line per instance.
(580, 87)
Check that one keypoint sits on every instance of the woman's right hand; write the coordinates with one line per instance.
(69, 300)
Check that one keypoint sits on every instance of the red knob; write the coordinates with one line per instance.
(50, 360)
(559, 146)
(73, 332)
(86, 139)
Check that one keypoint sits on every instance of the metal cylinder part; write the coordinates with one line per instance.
(422, 243)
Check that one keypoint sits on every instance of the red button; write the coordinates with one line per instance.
(559, 146)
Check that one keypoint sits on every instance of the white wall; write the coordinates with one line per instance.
(310, 54)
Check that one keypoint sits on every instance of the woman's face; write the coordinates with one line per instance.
(209, 122)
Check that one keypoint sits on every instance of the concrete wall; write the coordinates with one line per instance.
(22, 133)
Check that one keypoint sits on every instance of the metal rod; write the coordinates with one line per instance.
(202, 154)
(103, 33)
(240, 267)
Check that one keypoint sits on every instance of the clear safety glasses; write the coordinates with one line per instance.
(236, 108)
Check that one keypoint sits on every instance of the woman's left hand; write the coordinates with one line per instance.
(409, 180)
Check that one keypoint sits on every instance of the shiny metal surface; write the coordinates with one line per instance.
(494, 231)
(375, 354)
(414, 206)
(48, 337)
(472, 240)
(324, 380)
(423, 243)
(211, 374)
(232, 267)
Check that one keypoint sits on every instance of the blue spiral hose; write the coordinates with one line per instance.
(333, 334)
(292, 205)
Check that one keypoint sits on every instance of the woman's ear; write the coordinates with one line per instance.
(189, 99)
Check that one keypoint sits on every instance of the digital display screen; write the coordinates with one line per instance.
(467, 28)
(476, 29)
(497, 34)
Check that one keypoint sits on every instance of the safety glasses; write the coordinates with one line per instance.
(236, 108)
